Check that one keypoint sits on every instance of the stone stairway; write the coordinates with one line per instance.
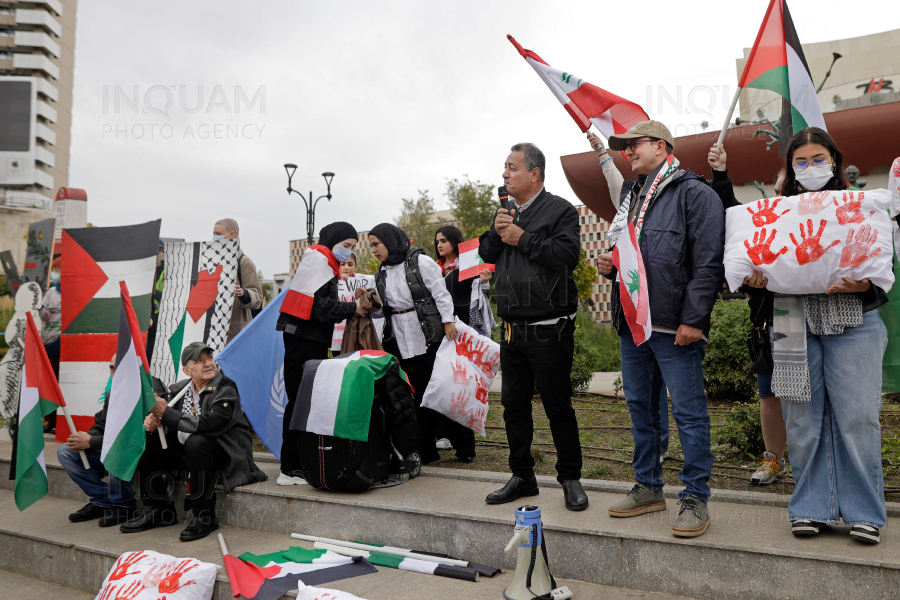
(748, 551)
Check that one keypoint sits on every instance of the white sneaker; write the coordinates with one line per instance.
(770, 470)
(443, 444)
(288, 480)
(663, 456)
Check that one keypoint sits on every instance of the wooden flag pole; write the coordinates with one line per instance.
(368, 548)
(734, 101)
(71, 425)
(162, 436)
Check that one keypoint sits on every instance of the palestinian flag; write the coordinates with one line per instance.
(633, 286)
(97, 259)
(130, 397)
(39, 395)
(777, 64)
(343, 388)
(197, 301)
(470, 263)
(316, 269)
(269, 576)
(585, 103)
(470, 573)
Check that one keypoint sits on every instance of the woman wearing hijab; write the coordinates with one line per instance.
(308, 314)
(829, 381)
(418, 313)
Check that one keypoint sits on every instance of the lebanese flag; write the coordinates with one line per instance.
(343, 388)
(633, 286)
(317, 267)
(131, 397)
(269, 576)
(777, 64)
(586, 103)
(470, 263)
(39, 395)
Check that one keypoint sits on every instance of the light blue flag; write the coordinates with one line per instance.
(254, 360)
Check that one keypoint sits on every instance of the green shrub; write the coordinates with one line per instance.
(7, 309)
(726, 366)
(743, 431)
(586, 362)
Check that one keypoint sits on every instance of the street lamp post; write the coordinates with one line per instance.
(311, 204)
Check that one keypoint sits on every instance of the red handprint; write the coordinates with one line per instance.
(760, 253)
(155, 574)
(171, 582)
(851, 211)
(128, 592)
(458, 403)
(124, 563)
(813, 203)
(476, 417)
(490, 363)
(460, 376)
(481, 391)
(811, 250)
(766, 214)
(855, 254)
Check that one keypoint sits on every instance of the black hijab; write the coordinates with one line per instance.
(394, 239)
(335, 233)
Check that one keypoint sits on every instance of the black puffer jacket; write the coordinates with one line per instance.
(682, 244)
(535, 279)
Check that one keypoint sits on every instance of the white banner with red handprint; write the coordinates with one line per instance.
(463, 372)
(149, 575)
(805, 244)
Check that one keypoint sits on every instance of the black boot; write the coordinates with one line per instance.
(203, 523)
(162, 516)
(574, 494)
(514, 489)
(116, 515)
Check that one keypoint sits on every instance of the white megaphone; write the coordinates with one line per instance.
(532, 578)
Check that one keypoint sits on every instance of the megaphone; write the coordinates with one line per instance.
(532, 578)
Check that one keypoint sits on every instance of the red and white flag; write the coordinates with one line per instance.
(633, 285)
(316, 268)
(586, 103)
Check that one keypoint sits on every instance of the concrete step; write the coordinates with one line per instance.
(40, 551)
(748, 548)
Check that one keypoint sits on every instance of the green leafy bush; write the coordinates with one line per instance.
(743, 430)
(726, 366)
(586, 362)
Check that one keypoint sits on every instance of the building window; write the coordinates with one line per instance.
(583, 237)
(591, 237)
(582, 220)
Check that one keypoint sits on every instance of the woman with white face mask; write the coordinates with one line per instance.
(831, 411)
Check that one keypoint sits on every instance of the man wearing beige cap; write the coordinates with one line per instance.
(679, 226)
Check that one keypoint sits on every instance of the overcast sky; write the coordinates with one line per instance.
(393, 97)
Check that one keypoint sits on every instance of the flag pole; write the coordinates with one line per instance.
(368, 548)
(71, 425)
(222, 545)
(734, 101)
(162, 436)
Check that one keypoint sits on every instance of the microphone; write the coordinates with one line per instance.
(503, 195)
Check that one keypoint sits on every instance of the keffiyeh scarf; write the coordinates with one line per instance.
(481, 317)
(825, 315)
(620, 222)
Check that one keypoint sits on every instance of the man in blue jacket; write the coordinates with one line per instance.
(682, 243)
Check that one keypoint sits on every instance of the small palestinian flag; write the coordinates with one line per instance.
(470, 263)
(777, 64)
(269, 576)
(316, 269)
(470, 573)
(633, 286)
(343, 388)
(39, 395)
(97, 259)
(130, 398)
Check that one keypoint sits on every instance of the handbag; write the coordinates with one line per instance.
(760, 348)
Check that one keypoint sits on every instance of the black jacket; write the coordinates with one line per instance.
(327, 309)
(682, 244)
(535, 279)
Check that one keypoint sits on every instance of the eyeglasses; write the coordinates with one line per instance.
(632, 145)
(819, 161)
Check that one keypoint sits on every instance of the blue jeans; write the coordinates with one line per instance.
(114, 493)
(658, 389)
(835, 439)
(682, 370)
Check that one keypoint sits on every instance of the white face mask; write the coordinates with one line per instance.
(814, 178)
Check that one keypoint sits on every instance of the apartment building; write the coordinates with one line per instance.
(594, 243)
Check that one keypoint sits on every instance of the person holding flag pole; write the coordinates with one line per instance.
(668, 240)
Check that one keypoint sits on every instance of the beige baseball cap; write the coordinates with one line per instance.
(653, 129)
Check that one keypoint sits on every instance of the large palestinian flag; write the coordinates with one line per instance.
(586, 103)
(777, 64)
(269, 576)
(197, 301)
(96, 260)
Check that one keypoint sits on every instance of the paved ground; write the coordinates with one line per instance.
(602, 383)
